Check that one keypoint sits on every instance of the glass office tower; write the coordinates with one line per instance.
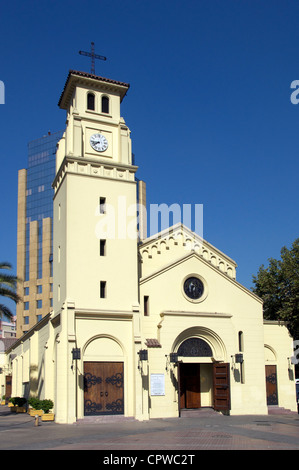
(35, 232)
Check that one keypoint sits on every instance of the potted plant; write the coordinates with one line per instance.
(10, 403)
(46, 406)
(18, 404)
(35, 404)
(3, 400)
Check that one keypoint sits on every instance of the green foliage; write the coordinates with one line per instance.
(8, 289)
(46, 405)
(278, 286)
(18, 401)
(35, 403)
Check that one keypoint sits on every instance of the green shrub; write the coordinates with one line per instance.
(46, 405)
(35, 403)
(18, 401)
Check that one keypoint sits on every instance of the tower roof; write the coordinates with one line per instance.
(75, 78)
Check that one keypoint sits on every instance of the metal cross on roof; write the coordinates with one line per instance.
(93, 57)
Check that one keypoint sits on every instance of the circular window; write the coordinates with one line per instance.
(193, 288)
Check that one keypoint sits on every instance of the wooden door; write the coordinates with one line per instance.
(221, 383)
(8, 380)
(189, 386)
(271, 385)
(103, 388)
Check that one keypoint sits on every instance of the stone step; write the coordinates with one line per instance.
(104, 419)
(199, 412)
(279, 410)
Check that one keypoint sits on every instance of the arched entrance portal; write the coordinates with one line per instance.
(103, 377)
(195, 378)
(203, 374)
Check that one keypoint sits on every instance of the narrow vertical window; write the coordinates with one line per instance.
(102, 247)
(146, 305)
(90, 101)
(103, 289)
(105, 104)
(241, 341)
(102, 205)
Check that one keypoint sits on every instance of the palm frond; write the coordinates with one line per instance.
(4, 310)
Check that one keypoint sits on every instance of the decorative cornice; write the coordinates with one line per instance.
(195, 314)
(93, 167)
(193, 243)
(91, 313)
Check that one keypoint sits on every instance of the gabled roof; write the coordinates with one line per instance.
(192, 242)
(75, 77)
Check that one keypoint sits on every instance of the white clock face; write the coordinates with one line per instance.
(99, 142)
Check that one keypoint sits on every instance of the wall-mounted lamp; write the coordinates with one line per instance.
(239, 358)
(143, 356)
(173, 357)
(76, 353)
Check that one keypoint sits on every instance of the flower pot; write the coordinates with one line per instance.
(48, 417)
(20, 409)
(34, 412)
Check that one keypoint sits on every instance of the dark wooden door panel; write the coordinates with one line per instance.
(271, 385)
(8, 385)
(189, 386)
(221, 382)
(103, 388)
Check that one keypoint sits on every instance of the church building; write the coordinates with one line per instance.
(144, 327)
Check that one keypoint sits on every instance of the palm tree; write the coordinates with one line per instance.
(8, 289)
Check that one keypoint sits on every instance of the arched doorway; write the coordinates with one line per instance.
(194, 376)
(103, 377)
(203, 373)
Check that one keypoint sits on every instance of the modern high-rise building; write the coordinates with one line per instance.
(34, 237)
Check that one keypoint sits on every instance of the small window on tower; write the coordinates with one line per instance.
(90, 101)
(103, 289)
(102, 247)
(102, 205)
(146, 305)
(105, 104)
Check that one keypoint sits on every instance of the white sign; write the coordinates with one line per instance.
(157, 384)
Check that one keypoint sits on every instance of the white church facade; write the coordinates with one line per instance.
(140, 327)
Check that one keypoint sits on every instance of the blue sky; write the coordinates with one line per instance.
(209, 106)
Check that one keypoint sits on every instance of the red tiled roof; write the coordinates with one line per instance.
(153, 343)
(94, 77)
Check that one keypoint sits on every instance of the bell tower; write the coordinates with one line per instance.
(95, 256)
(95, 128)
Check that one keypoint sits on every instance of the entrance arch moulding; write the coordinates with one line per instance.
(208, 336)
(116, 348)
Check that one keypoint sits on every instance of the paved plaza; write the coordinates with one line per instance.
(117, 436)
